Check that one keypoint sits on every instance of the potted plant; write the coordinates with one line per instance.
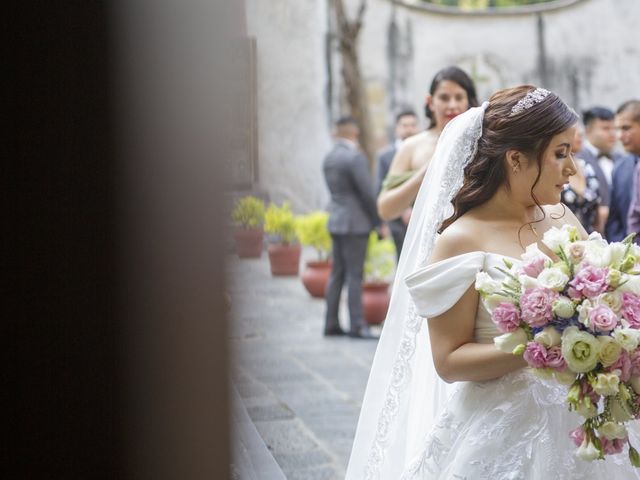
(379, 267)
(248, 216)
(312, 231)
(284, 253)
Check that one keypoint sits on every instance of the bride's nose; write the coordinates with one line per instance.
(570, 167)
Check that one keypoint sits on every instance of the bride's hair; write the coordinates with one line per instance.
(529, 131)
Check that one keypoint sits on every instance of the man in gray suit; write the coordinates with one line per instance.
(406, 126)
(598, 152)
(352, 215)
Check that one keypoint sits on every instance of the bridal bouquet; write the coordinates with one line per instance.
(577, 320)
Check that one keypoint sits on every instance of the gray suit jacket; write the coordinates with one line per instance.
(353, 204)
(604, 187)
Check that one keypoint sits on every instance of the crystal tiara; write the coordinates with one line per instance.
(529, 100)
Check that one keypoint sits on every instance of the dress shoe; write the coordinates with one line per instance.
(334, 332)
(363, 333)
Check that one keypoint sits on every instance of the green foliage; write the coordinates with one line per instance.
(248, 212)
(380, 262)
(281, 222)
(312, 231)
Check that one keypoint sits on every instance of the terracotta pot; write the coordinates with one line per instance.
(316, 276)
(375, 301)
(284, 259)
(249, 242)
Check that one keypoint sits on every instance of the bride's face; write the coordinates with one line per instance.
(556, 167)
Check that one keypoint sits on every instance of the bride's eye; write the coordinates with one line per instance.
(561, 155)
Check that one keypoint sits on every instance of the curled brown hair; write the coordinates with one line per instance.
(530, 131)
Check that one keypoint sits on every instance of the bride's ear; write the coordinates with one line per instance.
(514, 161)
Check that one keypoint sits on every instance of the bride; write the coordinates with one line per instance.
(442, 402)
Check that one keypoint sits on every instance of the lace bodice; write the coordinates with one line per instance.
(447, 281)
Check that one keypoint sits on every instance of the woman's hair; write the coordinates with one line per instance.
(457, 75)
(529, 131)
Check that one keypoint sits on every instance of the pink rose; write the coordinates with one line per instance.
(631, 309)
(555, 359)
(535, 355)
(536, 306)
(590, 281)
(634, 358)
(574, 294)
(534, 267)
(624, 365)
(611, 447)
(577, 436)
(506, 316)
(602, 319)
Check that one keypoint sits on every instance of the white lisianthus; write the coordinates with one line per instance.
(487, 285)
(566, 377)
(532, 252)
(586, 408)
(613, 430)
(620, 410)
(583, 312)
(607, 384)
(563, 307)
(597, 253)
(635, 384)
(610, 350)
(528, 282)
(490, 302)
(630, 283)
(548, 337)
(553, 279)
(507, 342)
(616, 253)
(580, 350)
(560, 238)
(588, 451)
(613, 300)
(628, 338)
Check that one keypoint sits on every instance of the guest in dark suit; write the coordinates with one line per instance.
(628, 126)
(352, 216)
(406, 125)
(598, 152)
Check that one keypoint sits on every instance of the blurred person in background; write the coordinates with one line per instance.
(452, 92)
(352, 215)
(406, 125)
(582, 194)
(628, 125)
(598, 151)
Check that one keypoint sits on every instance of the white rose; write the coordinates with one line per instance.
(580, 350)
(613, 430)
(507, 342)
(528, 282)
(607, 384)
(588, 451)
(628, 338)
(616, 252)
(610, 350)
(548, 337)
(583, 312)
(597, 253)
(566, 377)
(486, 284)
(558, 238)
(613, 300)
(635, 384)
(631, 284)
(553, 279)
(563, 307)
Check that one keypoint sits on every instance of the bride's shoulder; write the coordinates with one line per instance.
(457, 239)
(560, 215)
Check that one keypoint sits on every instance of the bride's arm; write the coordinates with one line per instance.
(455, 354)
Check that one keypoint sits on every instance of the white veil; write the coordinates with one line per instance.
(404, 394)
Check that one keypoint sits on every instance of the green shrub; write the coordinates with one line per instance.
(248, 212)
(312, 231)
(380, 262)
(281, 222)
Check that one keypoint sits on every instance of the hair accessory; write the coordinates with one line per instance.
(529, 100)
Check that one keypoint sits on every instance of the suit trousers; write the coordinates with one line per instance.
(349, 252)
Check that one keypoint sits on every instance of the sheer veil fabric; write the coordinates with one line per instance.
(404, 394)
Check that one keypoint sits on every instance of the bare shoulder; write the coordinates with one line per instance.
(459, 238)
(560, 214)
(402, 160)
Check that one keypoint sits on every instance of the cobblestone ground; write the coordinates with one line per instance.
(302, 391)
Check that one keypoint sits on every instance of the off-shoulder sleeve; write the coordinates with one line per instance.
(437, 287)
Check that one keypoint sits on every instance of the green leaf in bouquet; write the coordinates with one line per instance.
(634, 457)
(508, 274)
(508, 263)
(628, 240)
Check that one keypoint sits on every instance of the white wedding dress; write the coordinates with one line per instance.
(515, 427)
